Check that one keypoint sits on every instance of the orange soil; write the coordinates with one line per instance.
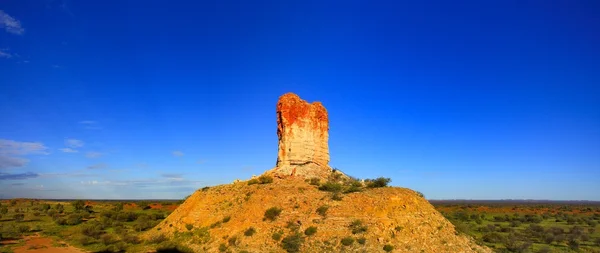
(36, 244)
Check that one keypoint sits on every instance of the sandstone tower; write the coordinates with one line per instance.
(303, 133)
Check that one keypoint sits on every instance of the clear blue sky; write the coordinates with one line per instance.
(154, 99)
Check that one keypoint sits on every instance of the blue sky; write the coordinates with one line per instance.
(154, 99)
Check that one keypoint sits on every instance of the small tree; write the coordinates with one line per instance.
(378, 182)
(78, 205)
(310, 230)
(292, 243)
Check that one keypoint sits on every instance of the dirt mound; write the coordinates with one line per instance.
(235, 218)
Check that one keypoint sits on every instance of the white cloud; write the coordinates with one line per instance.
(96, 166)
(74, 143)
(10, 147)
(93, 154)
(68, 150)
(10, 24)
(4, 54)
(90, 124)
(11, 162)
(177, 153)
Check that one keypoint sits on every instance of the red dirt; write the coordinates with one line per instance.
(36, 244)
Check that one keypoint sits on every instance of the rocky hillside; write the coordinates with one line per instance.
(293, 215)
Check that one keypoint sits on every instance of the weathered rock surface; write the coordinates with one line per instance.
(302, 129)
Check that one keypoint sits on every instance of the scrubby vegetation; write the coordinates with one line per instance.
(272, 213)
(100, 226)
(523, 227)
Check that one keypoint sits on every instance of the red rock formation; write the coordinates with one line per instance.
(302, 129)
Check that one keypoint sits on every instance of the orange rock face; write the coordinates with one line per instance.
(302, 129)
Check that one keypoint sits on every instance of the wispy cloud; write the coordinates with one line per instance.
(173, 176)
(10, 152)
(74, 143)
(10, 24)
(96, 166)
(11, 162)
(68, 150)
(18, 176)
(71, 174)
(90, 124)
(177, 153)
(10, 147)
(5, 54)
(93, 154)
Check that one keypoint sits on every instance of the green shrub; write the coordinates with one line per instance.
(74, 219)
(253, 181)
(388, 248)
(250, 231)
(362, 240)
(108, 239)
(222, 247)
(173, 247)
(331, 187)
(264, 179)
(378, 182)
(157, 238)
(232, 241)
(131, 239)
(277, 235)
(322, 210)
(292, 243)
(202, 234)
(355, 186)
(18, 216)
(23, 228)
(91, 230)
(78, 205)
(310, 230)
(398, 228)
(336, 196)
(85, 240)
(420, 194)
(347, 241)
(315, 181)
(189, 227)
(226, 219)
(272, 213)
(357, 227)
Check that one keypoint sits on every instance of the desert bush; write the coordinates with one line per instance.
(277, 235)
(347, 241)
(315, 181)
(322, 210)
(272, 213)
(189, 227)
(202, 234)
(354, 186)
(264, 179)
(292, 243)
(310, 230)
(232, 241)
(157, 238)
(362, 240)
(357, 227)
(173, 247)
(108, 239)
(388, 248)
(336, 196)
(253, 181)
(250, 231)
(222, 247)
(493, 237)
(18, 216)
(378, 182)
(74, 219)
(78, 205)
(131, 239)
(3, 210)
(331, 187)
(91, 230)
(23, 229)
(226, 219)
(85, 240)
